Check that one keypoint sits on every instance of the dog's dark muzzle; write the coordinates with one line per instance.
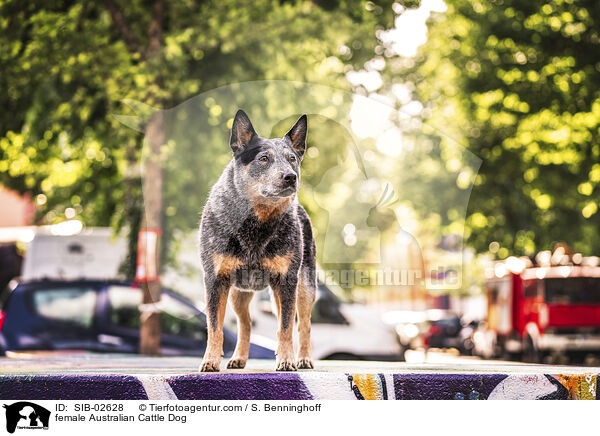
(289, 182)
(290, 179)
(287, 186)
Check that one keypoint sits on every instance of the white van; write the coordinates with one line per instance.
(93, 253)
(339, 329)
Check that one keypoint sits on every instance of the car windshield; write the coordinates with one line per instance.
(177, 318)
(70, 304)
(573, 290)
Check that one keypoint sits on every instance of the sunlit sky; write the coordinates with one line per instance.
(410, 30)
(371, 116)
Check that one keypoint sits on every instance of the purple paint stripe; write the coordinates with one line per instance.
(71, 387)
(278, 386)
(445, 386)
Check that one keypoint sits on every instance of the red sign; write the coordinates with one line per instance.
(147, 255)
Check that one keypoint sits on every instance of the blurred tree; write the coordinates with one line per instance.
(518, 83)
(66, 65)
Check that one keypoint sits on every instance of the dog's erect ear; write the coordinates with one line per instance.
(297, 134)
(242, 131)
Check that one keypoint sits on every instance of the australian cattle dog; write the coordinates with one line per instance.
(254, 234)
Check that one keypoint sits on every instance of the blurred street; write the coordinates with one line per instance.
(454, 358)
(49, 363)
(448, 357)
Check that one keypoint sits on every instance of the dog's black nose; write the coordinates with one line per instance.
(290, 178)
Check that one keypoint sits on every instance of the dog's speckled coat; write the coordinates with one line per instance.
(254, 234)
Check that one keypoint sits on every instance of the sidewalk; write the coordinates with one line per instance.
(122, 377)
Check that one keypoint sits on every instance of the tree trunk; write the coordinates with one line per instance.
(152, 187)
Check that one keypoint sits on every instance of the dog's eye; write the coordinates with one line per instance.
(263, 159)
(292, 158)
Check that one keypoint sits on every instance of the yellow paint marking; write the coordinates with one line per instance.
(368, 385)
(580, 386)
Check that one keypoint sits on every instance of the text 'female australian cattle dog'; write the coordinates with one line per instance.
(254, 234)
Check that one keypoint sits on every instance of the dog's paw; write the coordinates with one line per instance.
(286, 365)
(236, 363)
(209, 366)
(305, 363)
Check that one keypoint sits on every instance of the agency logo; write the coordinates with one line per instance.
(26, 415)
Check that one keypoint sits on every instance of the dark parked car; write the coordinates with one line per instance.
(102, 316)
(447, 330)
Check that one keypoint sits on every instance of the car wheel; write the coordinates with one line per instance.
(467, 347)
(530, 352)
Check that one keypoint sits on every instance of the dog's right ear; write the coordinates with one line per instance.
(242, 131)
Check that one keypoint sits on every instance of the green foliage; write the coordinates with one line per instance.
(518, 83)
(66, 65)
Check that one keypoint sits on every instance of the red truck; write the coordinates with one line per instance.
(535, 312)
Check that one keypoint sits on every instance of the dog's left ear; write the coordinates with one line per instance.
(297, 135)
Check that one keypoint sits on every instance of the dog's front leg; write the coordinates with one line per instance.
(284, 292)
(240, 301)
(306, 298)
(217, 290)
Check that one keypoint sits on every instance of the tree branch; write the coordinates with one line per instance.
(118, 18)
(155, 28)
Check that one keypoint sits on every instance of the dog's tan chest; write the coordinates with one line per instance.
(278, 264)
(226, 264)
(265, 212)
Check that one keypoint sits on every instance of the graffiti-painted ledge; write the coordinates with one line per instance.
(120, 377)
